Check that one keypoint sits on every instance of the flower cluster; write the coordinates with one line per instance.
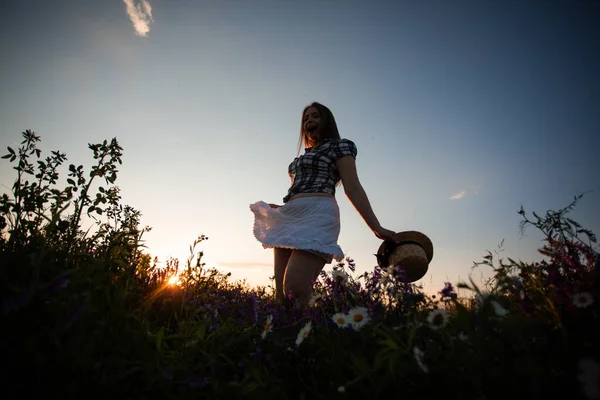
(356, 318)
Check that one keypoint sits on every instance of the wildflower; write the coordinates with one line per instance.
(341, 389)
(498, 309)
(341, 320)
(303, 333)
(589, 377)
(448, 292)
(418, 353)
(314, 299)
(268, 326)
(387, 276)
(583, 300)
(358, 317)
(438, 318)
(351, 264)
(339, 276)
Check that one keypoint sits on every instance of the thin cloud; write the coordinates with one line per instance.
(459, 195)
(140, 15)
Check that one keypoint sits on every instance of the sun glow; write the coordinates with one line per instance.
(174, 281)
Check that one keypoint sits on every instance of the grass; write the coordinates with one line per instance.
(90, 314)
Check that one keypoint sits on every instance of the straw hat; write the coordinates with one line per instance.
(410, 250)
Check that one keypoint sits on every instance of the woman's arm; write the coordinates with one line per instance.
(357, 196)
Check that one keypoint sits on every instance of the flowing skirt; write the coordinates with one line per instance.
(305, 223)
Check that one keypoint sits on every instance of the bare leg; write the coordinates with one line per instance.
(281, 257)
(302, 268)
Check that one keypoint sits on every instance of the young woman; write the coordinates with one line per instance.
(304, 231)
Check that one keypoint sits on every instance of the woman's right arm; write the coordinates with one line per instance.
(358, 197)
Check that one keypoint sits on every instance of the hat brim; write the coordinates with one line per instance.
(405, 237)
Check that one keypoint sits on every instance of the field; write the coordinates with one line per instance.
(87, 313)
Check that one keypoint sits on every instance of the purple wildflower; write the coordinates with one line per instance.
(351, 264)
(448, 292)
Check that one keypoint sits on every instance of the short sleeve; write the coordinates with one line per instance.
(342, 148)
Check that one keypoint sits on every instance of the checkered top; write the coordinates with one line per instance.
(315, 170)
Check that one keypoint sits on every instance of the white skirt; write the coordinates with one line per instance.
(304, 223)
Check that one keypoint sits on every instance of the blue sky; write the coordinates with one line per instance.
(462, 111)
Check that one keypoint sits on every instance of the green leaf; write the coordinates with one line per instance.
(360, 365)
(159, 338)
(71, 182)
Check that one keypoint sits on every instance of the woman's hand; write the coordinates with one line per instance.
(384, 234)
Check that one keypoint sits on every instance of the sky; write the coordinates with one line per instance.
(462, 112)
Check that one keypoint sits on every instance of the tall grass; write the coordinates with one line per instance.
(88, 313)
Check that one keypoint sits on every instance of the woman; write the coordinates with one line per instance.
(304, 231)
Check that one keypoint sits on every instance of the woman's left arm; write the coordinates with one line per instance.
(358, 197)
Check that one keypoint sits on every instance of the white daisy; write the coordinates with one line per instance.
(498, 309)
(589, 377)
(314, 299)
(341, 389)
(268, 326)
(358, 317)
(341, 320)
(303, 333)
(339, 276)
(438, 318)
(583, 299)
(418, 354)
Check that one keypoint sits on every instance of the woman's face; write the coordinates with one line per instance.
(311, 121)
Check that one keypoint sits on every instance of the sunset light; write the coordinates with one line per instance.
(174, 281)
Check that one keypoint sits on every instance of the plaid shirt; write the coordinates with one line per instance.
(315, 170)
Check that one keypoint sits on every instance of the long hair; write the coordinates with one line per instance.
(327, 129)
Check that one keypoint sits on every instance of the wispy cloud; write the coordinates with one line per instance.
(140, 15)
(459, 195)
